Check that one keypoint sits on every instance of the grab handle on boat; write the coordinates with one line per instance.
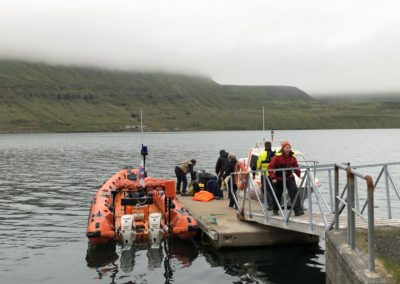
(180, 230)
(98, 234)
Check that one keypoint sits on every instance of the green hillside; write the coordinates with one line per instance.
(42, 98)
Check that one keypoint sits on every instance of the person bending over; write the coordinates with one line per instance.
(181, 171)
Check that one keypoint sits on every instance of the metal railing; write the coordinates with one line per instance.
(353, 207)
(317, 196)
(306, 183)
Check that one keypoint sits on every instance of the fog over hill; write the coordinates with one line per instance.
(321, 47)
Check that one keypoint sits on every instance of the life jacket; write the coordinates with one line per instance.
(203, 195)
(264, 159)
(184, 166)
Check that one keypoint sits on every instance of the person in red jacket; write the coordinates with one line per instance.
(285, 159)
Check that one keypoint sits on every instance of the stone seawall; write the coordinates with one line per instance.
(344, 265)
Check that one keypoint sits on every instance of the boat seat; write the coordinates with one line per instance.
(132, 176)
(137, 201)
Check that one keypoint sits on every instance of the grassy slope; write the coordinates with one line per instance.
(386, 238)
(39, 97)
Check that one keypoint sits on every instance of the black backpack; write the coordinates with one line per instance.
(213, 187)
(196, 187)
(253, 162)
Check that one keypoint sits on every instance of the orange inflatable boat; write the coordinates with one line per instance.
(129, 208)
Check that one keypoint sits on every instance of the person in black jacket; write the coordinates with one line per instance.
(231, 169)
(221, 165)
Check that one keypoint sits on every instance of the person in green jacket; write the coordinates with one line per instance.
(262, 165)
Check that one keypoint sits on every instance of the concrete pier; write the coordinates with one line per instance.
(220, 224)
(344, 265)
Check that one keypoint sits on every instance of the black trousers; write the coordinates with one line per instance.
(268, 191)
(181, 178)
(230, 195)
(292, 190)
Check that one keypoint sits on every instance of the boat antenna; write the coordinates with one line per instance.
(143, 151)
(141, 123)
(263, 120)
(263, 123)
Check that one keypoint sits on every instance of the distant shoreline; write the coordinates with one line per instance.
(188, 131)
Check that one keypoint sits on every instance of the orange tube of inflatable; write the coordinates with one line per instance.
(179, 230)
(108, 234)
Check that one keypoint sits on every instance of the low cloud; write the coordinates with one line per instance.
(322, 47)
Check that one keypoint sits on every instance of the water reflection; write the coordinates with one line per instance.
(101, 256)
(103, 259)
(166, 257)
(295, 264)
(155, 257)
(300, 264)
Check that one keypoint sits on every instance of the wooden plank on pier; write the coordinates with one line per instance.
(228, 231)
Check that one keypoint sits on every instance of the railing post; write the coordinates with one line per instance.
(387, 192)
(264, 186)
(331, 193)
(315, 168)
(284, 195)
(350, 205)
(375, 184)
(310, 209)
(356, 198)
(244, 200)
(393, 184)
(371, 233)
(249, 194)
(348, 209)
(233, 195)
(336, 195)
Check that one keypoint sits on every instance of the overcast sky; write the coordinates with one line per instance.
(322, 47)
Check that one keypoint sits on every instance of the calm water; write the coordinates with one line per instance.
(47, 181)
